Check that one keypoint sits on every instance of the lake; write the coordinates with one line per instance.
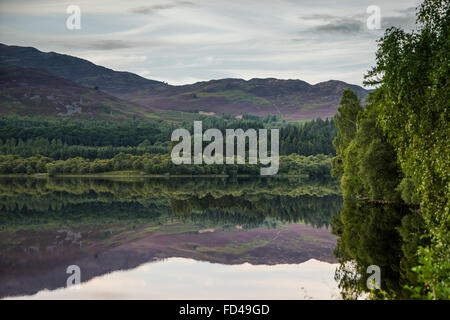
(168, 238)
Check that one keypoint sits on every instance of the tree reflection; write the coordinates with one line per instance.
(377, 234)
(247, 202)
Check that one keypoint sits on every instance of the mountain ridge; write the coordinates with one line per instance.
(29, 91)
(293, 99)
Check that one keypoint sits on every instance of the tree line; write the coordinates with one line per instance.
(205, 201)
(57, 149)
(91, 139)
(158, 164)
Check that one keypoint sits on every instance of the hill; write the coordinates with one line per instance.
(293, 99)
(78, 70)
(27, 91)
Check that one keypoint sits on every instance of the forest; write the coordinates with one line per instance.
(158, 164)
(91, 139)
(30, 145)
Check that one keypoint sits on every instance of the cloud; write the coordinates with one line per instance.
(109, 45)
(335, 24)
(403, 18)
(408, 11)
(157, 7)
(406, 19)
(93, 43)
(341, 26)
(326, 17)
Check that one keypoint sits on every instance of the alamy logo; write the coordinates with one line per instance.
(213, 153)
(374, 280)
(374, 20)
(73, 281)
(74, 20)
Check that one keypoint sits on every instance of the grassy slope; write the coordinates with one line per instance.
(33, 91)
(293, 99)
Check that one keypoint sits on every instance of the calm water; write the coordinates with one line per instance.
(168, 238)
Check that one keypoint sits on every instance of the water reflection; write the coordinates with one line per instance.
(385, 235)
(181, 278)
(105, 225)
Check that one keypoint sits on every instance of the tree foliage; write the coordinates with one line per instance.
(413, 96)
(399, 148)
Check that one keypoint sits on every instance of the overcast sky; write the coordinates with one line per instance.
(187, 41)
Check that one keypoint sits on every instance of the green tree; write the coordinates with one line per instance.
(412, 78)
(345, 121)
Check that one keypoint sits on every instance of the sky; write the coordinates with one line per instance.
(163, 279)
(182, 42)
